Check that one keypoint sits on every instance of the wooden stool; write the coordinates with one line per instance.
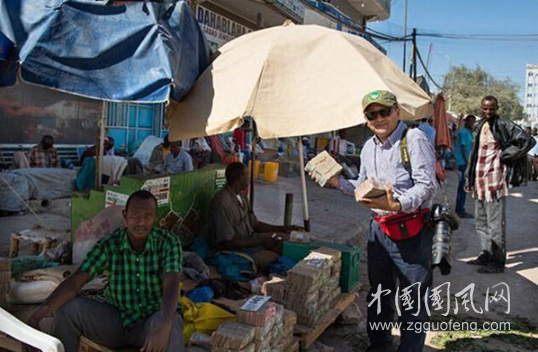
(41, 239)
(87, 345)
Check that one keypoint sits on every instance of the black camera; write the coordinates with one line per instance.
(443, 223)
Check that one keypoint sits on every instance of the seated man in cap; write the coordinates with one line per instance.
(233, 225)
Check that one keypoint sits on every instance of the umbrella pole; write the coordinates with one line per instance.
(253, 161)
(99, 148)
(303, 187)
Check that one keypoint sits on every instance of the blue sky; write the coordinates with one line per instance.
(500, 58)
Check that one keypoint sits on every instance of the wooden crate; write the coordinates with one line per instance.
(308, 335)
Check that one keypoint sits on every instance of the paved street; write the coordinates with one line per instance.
(337, 217)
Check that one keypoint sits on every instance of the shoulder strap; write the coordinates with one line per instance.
(405, 154)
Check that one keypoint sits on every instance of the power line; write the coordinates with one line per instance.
(426, 69)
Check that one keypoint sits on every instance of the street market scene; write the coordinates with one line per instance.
(268, 176)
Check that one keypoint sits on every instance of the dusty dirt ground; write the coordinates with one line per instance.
(338, 218)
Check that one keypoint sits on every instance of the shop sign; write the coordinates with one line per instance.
(160, 188)
(293, 7)
(218, 29)
(115, 198)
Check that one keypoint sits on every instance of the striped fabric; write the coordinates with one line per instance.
(490, 184)
(136, 280)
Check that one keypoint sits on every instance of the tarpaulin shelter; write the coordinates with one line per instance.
(116, 53)
(113, 53)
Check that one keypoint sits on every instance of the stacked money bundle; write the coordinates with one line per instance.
(232, 336)
(322, 167)
(288, 324)
(312, 285)
(258, 330)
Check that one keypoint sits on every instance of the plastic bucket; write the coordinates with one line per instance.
(270, 172)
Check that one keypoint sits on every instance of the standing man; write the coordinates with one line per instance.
(463, 149)
(177, 161)
(44, 154)
(498, 144)
(402, 251)
(426, 127)
(532, 157)
(142, 296)
(240, 140)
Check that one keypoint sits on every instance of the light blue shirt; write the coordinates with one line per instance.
(181, 163)
(384, 162)
(465, 138)
(430, 132)
(534, 150)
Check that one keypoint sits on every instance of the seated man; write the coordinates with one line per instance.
(108, 145)
(41, 155)
(159, 153)
(179, 160)
(142, 296)
(233, 225)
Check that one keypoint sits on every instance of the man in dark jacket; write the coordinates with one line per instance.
(498, 158)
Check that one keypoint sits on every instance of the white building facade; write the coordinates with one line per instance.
(531, 95)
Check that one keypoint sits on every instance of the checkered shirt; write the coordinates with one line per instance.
(39, 157)
(136, 280)
(490, 184)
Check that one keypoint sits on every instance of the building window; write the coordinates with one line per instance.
(129, 123)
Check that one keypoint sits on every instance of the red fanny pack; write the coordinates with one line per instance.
(402, 226)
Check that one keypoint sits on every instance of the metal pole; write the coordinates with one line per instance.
(253, 161)
(99, 147)
(303, 187)
(414, 54)
(288, 209)
(405, 35)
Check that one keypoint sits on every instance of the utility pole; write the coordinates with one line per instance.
(405, 35)
(413, 67)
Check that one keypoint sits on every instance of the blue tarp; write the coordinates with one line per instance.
(116, 53)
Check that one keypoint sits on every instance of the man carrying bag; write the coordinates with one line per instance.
(399, 239)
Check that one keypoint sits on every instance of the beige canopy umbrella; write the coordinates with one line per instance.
(293, 80)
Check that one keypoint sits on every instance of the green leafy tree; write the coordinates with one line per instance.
(465, 88)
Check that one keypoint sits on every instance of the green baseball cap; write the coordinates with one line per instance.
(381, 97)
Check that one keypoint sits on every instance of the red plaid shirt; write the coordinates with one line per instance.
(39, 157)
(490, 183)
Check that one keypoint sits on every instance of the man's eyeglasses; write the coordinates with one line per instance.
(372, 115)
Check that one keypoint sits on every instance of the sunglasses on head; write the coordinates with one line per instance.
(372, 115)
